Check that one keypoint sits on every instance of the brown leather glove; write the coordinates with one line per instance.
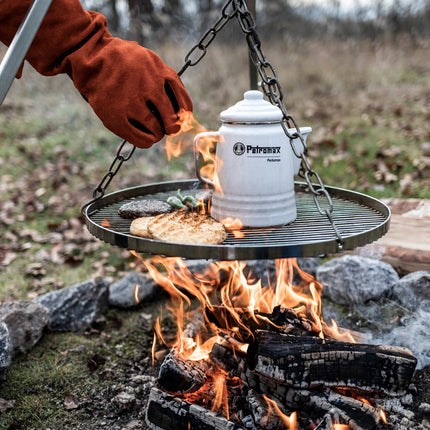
(132, 91)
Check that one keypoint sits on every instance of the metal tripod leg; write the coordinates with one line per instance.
(21, 42)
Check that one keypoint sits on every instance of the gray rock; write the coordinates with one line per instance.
(413, 291)
(197, 266)
(131, 290)
(413, 332)
(124, 401)
(4, 350)
(266, 269)
(261, 269)
(25, 321)
(309, 264)
(76, 308)
(352, 279)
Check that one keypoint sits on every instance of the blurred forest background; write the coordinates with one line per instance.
(161, 20)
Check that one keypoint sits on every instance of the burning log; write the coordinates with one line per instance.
(182, 376)
(228, 359)
(281, 319)
(306, 362)
(165, 411)
(357, 414)
(226, 318)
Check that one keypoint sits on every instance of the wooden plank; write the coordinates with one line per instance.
(406, 246)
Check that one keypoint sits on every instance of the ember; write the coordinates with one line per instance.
(261, 356)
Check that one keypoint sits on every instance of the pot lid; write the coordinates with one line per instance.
(252, 109)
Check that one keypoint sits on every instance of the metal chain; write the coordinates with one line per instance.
(198, 51)
(272, 89)
(122, 154)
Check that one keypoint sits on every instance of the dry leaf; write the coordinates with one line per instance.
(71, 401)
(6, 404)
(6, 257)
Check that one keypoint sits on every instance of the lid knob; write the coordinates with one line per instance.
(253, 95)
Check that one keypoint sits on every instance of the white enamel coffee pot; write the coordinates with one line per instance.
(254, 164)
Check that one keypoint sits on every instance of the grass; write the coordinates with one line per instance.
(58, 367)
(368, 105)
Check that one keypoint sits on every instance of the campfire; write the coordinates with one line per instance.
(250, 353)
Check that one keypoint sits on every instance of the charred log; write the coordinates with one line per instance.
(287, 321)
(165, 411)
(182, 376)
(357, 414)
(341, 408)
(282, 319)
(244, 320)
(306, 362)
(227, 359)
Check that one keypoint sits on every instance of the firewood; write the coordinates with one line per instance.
(357, 414)
(228, 359)
(306, 362)
(223, 318)
(281, 319)
(182, 376)
(165, 411)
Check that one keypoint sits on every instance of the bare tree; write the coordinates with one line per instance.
(143, 20)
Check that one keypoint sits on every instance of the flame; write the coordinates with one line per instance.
(182, 141)
(136, 293)
(340, 427)
(221, 396)
(340, 334)
(224, 291)
(235, 225)
(290, 421)
(383, 416)
(154, 345)
(105, 223)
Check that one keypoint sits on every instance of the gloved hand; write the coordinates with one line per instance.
(132, 91)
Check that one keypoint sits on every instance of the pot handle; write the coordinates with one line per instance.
(197, 154)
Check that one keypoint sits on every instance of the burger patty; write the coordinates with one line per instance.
(143, 208)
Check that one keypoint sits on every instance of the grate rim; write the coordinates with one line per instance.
(361, 219)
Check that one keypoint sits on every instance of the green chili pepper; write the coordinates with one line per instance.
(181, 197)
(175, 202)
(191, 200)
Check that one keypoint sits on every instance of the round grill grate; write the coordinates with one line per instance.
(359, 218)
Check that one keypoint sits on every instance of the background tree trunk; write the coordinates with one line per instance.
(143, 20)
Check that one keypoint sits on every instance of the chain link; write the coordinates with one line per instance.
(198, 51)
(271, 88)
(122, 154)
